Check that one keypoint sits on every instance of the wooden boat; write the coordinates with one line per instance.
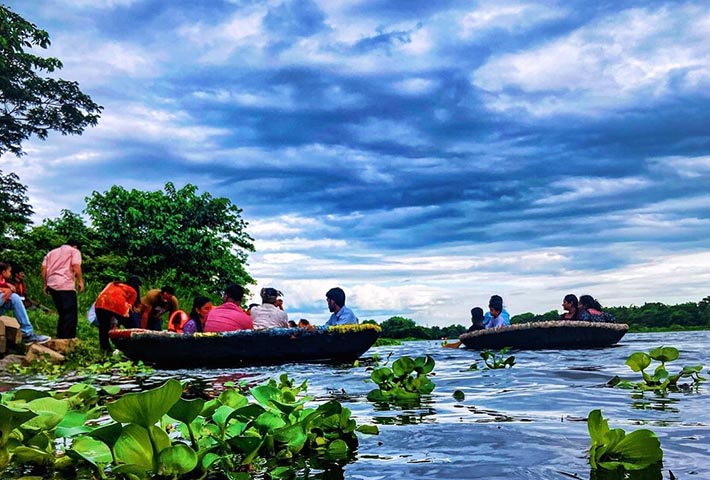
(546, 335)
(337, 344)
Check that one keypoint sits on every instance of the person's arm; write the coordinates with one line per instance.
(44, 278)
(77, 273)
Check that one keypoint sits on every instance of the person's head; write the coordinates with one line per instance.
(303, 323)
(73, 242)
(6, 270)
(292, 324)
(135, 282)
(200, 306)
(279, 303)
(495, 305)
(587, 301)
(233, 293)
(270, 295)
(335, 298)
(167, 293)
(18, 272)
(570, 302)
(477, 316)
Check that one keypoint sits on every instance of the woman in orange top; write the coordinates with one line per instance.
(114, 305)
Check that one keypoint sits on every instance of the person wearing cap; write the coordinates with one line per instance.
(61, 273)
(155, 304)
(229, 316)
(341, 315)
(268, 315)
(114, 306)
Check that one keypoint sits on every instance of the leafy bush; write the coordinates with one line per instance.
(660, 380)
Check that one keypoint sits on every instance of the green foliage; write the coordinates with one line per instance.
(15, 210)
(661, 380)
(614, 449)
(30, 103)
(399, 383)
(220, 436)
(175, 234)
(497, 360)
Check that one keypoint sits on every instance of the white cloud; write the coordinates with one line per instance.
(688, 167)
(506, 15)
(579, 188)
(605, 65)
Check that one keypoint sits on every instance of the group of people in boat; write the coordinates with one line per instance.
(585, 309)
(120, 303)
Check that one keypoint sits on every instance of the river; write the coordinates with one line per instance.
(526, 422)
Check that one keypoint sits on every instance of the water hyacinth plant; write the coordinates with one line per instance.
(614, 449)
(661, 379)
(406, 380)
(158, 433)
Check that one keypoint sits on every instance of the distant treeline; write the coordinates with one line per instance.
(649, 316)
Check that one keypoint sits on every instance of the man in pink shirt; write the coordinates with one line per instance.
(229, 316)
(61, 267)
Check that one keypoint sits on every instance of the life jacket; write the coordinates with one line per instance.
(177, 321)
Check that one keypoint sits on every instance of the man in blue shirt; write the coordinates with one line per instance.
(342, 315)
(497, 316)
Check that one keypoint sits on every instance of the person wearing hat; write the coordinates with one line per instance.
(114, 306)
(229, 316)
(268, 315)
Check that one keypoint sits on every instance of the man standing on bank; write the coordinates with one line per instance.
(61, 271)
(341, 315)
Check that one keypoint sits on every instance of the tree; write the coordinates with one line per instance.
(29, 103)
(175, 235)
(15, 210)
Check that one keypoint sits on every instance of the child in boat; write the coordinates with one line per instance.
(496, 316)
(476, 319)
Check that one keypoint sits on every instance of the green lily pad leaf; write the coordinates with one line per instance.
(282, 473)
(11, 418)
(23, 454)
(638, 361)
(93, 451)
(664, 354)
(111, 389)
(108, 433)
(639, 449)
(690, 369)
(459, 395)
(186, 410)
(403, 366)
(29, 394)
(268, 422)
(249, 412)
(178, 459)
(381, 375)
(293, 436)
(337, 450)
(424, 365)
(597, 425)
(209, 459)
(222, 415)
(146, 408)
(368, 429)
(73, 424)
(134, 447)
(131, 471)
(50, 412)
(233, 399)
(264, 394)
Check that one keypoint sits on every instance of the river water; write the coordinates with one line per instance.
(526, 422)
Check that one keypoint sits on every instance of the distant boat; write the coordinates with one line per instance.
(338, 344)
(546, 335)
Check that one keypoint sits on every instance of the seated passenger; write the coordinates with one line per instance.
(591, 311)
(18, 280)
(496, 316)
(476, 319)
(9, 300)
(177, 321)
(341, 315)
(571, 307)
(292, 324)
(229, 316)
(114, 306)
(200, 308)
(268, 315)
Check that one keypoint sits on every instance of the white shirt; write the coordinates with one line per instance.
(268, 315)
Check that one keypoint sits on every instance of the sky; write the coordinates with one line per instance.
(422, 155)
